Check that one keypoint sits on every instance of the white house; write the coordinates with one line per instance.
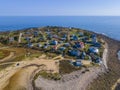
(94, 50)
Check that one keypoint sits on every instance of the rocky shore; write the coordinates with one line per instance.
(74, 81)
(107, 80)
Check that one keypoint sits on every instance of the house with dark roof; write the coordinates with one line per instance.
(94, 38)
(74, 37)
(97, 44)
(35, 34)
(64, 36)
(62, 48)
(93, 50)
(98, 60)
(66, 44)
(74, 52)
(29, 45)
(83, 54)
(54, 42)
(78, 45)
(77, 63)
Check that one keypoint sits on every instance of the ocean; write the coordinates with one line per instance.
(108, 25)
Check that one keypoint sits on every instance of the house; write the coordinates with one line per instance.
(67, 44)
(60, 42)
(49, 36)
(11, 39)
(78, 45)
(83, 55)
(64, 36)
(54, 47)
(54, 42)
(62, 48)
(63, 39)
(30, 45)
(41, 39)
(55, 36)
(97, 44)
(27, 32)
(84, 39)
(93, 50)
(74, 37)
(77, 63)
(39, 45)
(74, 52)
(93, 56)
(94, 38)
(81, 33)
(35, 34)
(28, 39)
(98, 60)
(81, 44)
(45, 46)
(48, 32)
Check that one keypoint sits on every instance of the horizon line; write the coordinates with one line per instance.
(56, 15)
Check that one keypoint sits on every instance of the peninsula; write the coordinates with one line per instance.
(58, 58)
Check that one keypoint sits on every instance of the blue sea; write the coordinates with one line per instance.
(108, 25)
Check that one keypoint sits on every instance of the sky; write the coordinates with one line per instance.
(59, 7)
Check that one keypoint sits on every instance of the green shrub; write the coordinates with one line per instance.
(65, 67)
(46, 75)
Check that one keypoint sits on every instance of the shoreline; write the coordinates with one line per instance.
(113, 73)
(73, 81)
(78, 81)
(24, 29)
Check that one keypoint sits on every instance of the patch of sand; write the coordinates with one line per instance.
(21, 79)
(8, 57)
(18, 77)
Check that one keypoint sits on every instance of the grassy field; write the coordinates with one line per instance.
(65, 67)
(51, 76)
(4, 53)
(20, 54)
(4, 66)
